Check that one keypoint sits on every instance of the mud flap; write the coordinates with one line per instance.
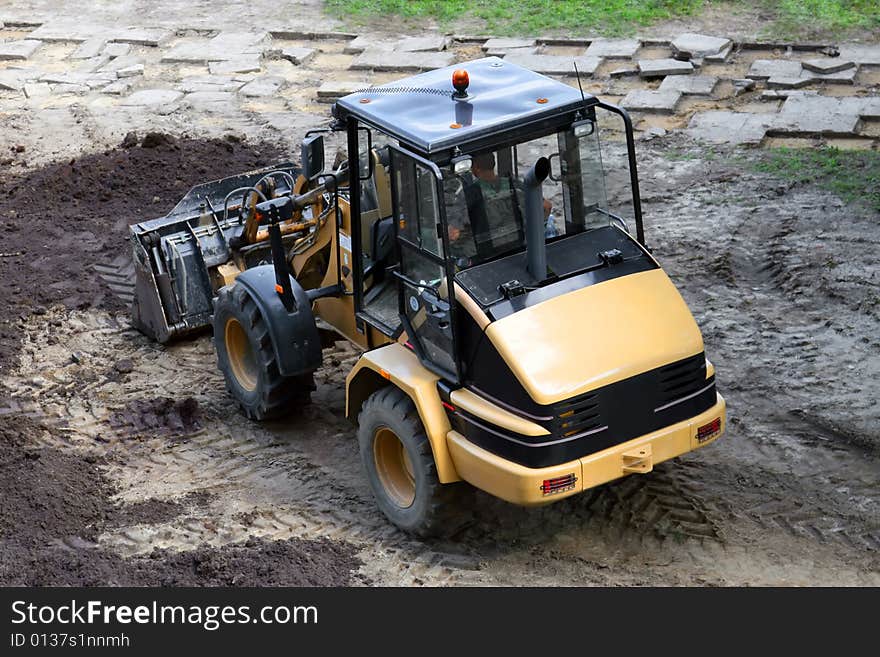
(295, 338)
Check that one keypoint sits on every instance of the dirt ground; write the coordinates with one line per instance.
(123, 461)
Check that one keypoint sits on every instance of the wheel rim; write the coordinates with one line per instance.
(241, 355)
(394, 468)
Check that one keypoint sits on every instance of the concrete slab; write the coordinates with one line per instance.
(114, 50)
(37, 90)
(699, 46)
(209, 83)
(866, 55)
(207, 97)
(331, 90)
(613, 48)
(247, 65)
(690, 85)
(655, 68)
(298, 56)
(827, 65)
(733, 128)
(507, 43)
(89, 48)
(504, 52)
(118, 88)
(556, 64)
(153, 97)
(810, 114)
(130, 71)
(379, 60)
(70, 89)
(19, 50)
(422, 43)
(368, 42)
(262, 87)
(762, 69)
(12, 80)
(645, 100)
(226, 46)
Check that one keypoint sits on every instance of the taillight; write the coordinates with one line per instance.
(558, 484)
(708, 431)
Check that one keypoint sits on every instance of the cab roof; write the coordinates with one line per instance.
(420, 110)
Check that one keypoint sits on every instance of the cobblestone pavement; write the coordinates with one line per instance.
(83, 76)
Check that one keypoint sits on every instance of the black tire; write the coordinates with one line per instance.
(246, 357)
(421, 506)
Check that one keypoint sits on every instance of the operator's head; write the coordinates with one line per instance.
(483, 166)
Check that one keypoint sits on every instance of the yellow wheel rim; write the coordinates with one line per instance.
(394, 467)
(241, 355)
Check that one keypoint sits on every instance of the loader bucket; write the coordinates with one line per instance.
(176, 256)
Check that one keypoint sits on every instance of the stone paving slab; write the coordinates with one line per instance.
(645, 100)
(866, 55)
(699, 46)
(226, 46)
(210, 83)
(298, 56)
(422, 43)
(827, 65)
(368, 42)
(655, 68)
(691, 85)
(556, 64)
(379, 60)
(78, 32)
(732, 128)
(762, 69)
(504, 52)
(37, 90)
(333, 89)
(242, 65)
(11, 80)
(19, 50)
(810, 113)
(153, 97)
(117, 49)
(507, 43)
(89, 48)
(614, 48)
(262, 87)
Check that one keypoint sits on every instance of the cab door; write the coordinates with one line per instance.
(425, 290)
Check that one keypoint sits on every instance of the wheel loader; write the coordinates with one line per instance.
(516, 333)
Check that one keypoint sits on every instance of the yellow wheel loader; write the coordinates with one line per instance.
(516, 332)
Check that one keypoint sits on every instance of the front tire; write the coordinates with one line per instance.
(399, 465)
(246, 357)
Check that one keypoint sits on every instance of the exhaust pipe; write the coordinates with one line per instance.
(536, 248)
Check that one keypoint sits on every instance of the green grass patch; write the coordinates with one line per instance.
(519, 17)
(798, 18)
(774, 19)
(852, 175)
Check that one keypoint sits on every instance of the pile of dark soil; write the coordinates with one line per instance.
(54, 504)
(58, 221)
(160, 416)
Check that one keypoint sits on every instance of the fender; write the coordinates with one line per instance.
(295, 337)
(394, 364)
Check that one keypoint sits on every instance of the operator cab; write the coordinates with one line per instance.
(443, 202)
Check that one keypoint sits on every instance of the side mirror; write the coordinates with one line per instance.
(312, 154)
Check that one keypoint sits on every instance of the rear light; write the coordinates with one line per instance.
(558, 484)
(448, 406)
(708, 431)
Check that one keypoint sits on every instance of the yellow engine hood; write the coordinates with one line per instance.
(597, 335)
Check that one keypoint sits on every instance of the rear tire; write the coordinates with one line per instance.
(246, 357)
(399, 465)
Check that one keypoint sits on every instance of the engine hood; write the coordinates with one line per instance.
(597, 335)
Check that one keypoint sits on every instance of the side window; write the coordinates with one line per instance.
(418, 206)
